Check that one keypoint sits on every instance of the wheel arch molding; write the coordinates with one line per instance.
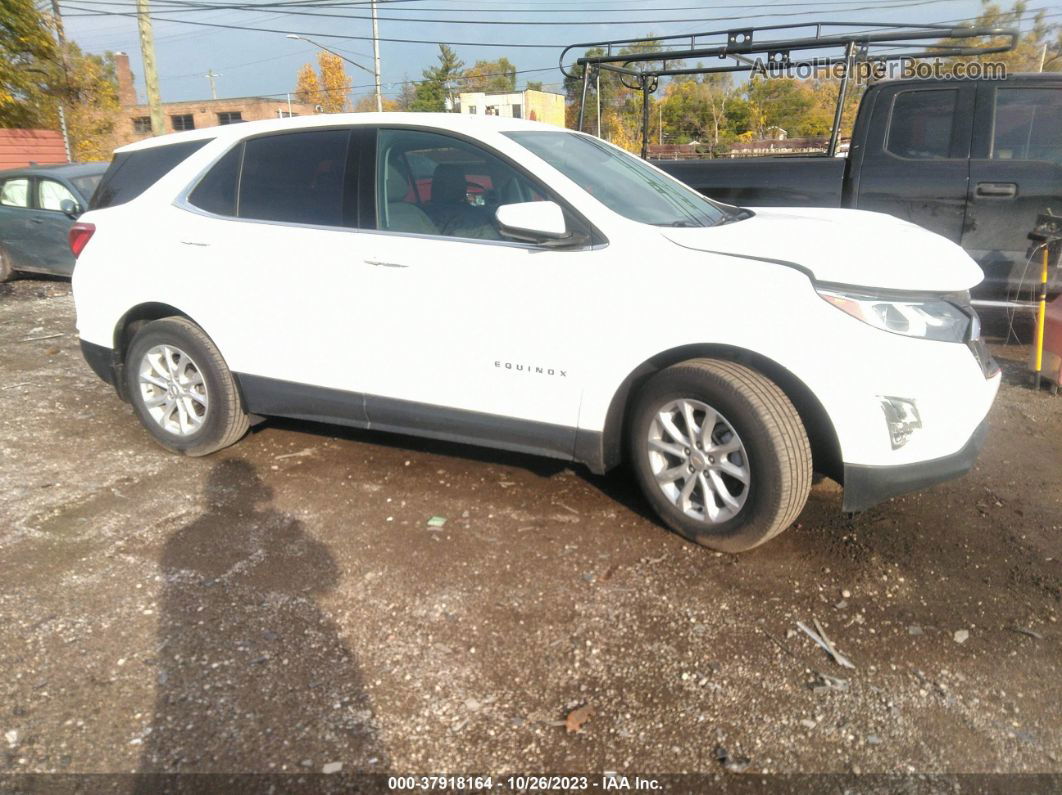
(605, 450)
(127, 327)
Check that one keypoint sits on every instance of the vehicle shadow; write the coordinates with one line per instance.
(618, 485)
(252, 676)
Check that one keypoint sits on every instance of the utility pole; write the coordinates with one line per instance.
(151, 75)
(60, 36)
(376, 56)
(211, 75)
(1043, 58)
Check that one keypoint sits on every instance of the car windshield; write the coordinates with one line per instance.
(622, 182)
(86, 186)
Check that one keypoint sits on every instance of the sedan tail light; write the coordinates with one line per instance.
(79, 236)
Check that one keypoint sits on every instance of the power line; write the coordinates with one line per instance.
(197, 8)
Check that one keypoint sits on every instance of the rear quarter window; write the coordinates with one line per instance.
(132, 173)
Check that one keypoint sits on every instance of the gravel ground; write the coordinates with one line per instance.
(284, 604)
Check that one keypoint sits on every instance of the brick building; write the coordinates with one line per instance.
(195, 114)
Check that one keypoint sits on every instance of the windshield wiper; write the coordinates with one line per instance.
(742, 214)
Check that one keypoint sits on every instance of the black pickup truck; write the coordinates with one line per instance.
(973, 160)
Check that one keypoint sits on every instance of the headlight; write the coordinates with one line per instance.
(930, 318)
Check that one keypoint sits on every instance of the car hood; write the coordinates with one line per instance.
(849, 247)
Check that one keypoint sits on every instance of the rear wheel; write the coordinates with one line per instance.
(181, 389)
(720, 453)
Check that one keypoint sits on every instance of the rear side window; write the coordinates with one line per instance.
(296, 178)
(132, 173)
(216, 192)
(922, 123)
(1028, 124)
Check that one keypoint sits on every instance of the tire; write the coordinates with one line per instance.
(198, 411)
(759, 454)
(7, 270)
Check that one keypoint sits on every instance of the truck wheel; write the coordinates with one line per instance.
(720, 453)
(181, 389)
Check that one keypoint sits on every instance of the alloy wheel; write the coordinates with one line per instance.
(173, 390)
(699, 461)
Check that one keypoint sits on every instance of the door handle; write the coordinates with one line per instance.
(997, 190)
(36, 220)
(379, 264)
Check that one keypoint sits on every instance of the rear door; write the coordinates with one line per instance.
(1016, 173)
(915, 165)
(14, 220)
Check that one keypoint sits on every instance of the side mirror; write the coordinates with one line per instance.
(70, 208)
(533, 222)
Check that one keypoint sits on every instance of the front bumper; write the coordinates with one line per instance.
(866, 486)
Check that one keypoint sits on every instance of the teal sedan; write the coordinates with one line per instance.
(38, 205)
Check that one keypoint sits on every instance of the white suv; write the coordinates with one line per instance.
(516, 285)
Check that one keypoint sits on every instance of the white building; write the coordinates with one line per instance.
(534, 105)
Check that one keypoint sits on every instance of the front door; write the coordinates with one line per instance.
(474, 336)
(49, 227)
(1016, 173)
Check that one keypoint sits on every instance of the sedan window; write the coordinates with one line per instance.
(15, 192)
(50, 194)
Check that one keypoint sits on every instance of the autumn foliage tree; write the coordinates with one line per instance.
(27, 50)
(330, 89)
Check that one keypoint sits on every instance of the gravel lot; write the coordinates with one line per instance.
(284, 604)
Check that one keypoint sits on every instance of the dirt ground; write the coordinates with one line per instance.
(284, 605)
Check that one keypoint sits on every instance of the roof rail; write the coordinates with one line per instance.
(819, 44)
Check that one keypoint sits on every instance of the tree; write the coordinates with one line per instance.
(437, 86)
(1039, 48)
(26, 51)
(534, 85)
(90, 93)
(492, 77)
(367, 104)
(408, 94)
(335, 83)
(307, 86)
(329, 90)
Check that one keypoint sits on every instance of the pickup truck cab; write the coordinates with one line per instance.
(516, 285)
(972, 160)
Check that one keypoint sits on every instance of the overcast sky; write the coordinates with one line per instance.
(256, 63)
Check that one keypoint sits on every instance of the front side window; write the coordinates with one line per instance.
(622, 182)
(15, 192)
(1028, 124)
(434, 184)
(296, 178)
(922, 123)
(50, 194)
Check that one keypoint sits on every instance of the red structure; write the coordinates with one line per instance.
(19, 148)
(1053, 342)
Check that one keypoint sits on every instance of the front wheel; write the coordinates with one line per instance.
(181, 389)
(720, 453)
